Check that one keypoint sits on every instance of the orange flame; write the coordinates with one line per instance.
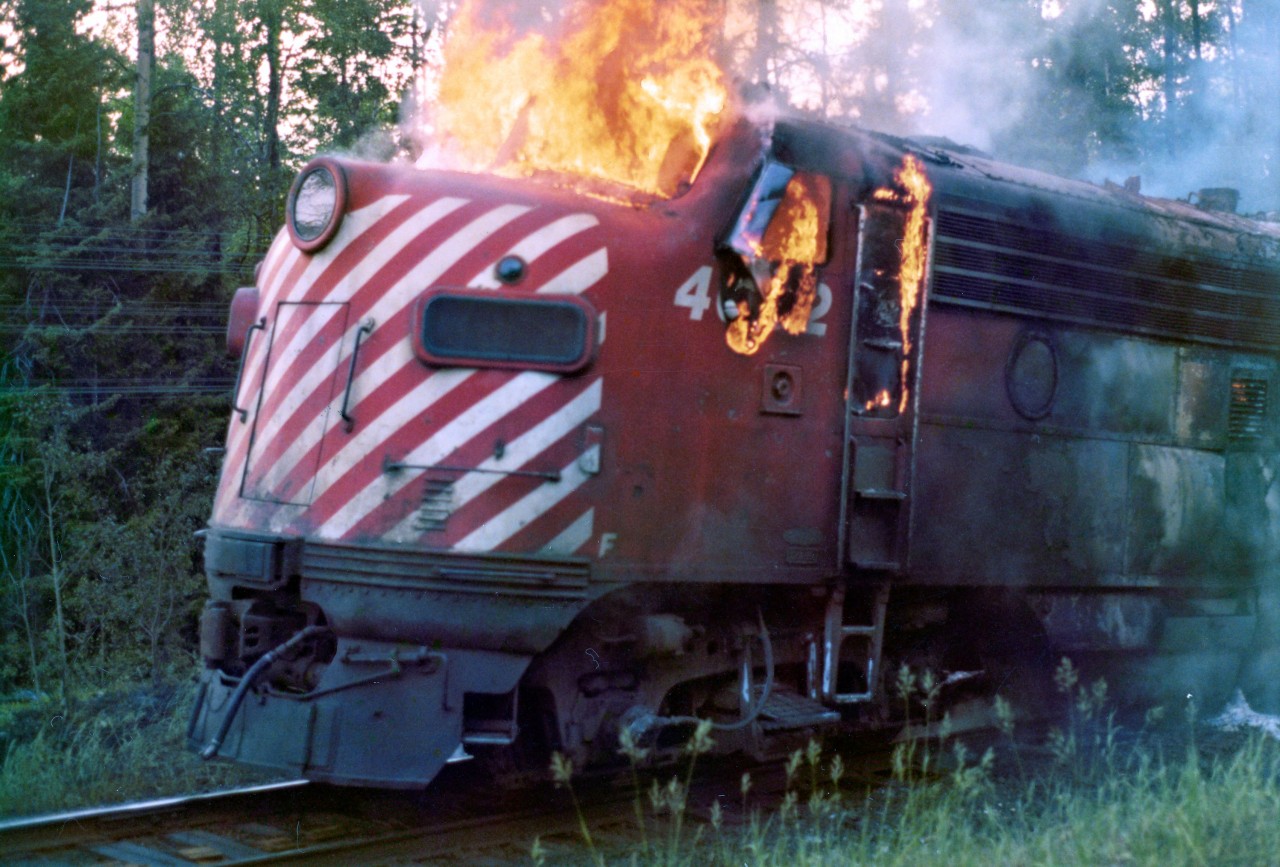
(915, 250)
(626, 94)
(881, 400)
(914, 244)
(796, 240)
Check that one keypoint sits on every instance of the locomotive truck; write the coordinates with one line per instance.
(516, 466)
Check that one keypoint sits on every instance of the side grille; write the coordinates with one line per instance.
(992, 261)
(437, 505)
(398, 568)
(1248, 410)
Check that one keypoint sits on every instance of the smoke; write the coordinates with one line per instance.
(974, 75)
(1095, 89)
(1105, 91)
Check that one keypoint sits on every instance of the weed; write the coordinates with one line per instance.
(109, 748)
(562, 774)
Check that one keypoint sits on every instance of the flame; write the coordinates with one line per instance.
(915, 192)
(880, 401)
(914, 243)
(796, 239)
(626, 94)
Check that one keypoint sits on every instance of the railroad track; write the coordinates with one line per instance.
(460, 819)
(300, 822)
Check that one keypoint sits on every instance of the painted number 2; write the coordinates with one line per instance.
(695, 295)
(821, 307)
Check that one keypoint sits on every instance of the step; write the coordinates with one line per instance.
(790, 710)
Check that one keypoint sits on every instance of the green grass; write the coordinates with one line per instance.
(1091, 794)
(1152, 811)
(108, 748)
(1084, 799)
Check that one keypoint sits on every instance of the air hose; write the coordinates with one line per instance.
(247, 682)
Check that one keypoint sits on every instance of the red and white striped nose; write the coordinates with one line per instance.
(350, 433)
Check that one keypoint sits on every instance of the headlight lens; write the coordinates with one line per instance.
(315, 205)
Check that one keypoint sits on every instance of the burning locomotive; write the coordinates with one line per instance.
(515, 468)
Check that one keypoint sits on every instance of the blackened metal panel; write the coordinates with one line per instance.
(1201, 416)
(1004, 507)
(1114, 385)
(1103, 385)
(1176, 505)
(1116, 270)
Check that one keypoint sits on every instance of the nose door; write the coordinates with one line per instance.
(296, 402)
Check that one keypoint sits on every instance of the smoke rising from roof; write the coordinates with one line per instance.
(1101, 90)
(1095, 89)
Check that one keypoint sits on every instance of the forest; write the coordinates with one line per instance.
(146, 149)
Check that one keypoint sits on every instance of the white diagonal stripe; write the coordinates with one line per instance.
(520, 514)
(391, 308)
(533, 246)
(400, 238)
(438, 446)
(580, 276)
(573, 536)
(370, 434)
(354, 224)
(323, 368)
(518, 452)
(251, 376)
(280, 256)
(359, 222)
(394, 304)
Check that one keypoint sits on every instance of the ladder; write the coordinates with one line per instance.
(835, 632)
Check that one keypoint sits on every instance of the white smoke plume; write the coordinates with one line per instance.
(1017, 79)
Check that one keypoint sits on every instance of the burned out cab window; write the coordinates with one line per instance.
(780, 238)
(504, 329)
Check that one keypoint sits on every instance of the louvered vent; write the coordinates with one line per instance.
(1248, 409)
(437, 505)
(994, 260)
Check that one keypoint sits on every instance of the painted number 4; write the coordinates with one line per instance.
(695, 295)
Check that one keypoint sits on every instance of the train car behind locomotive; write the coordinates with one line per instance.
(515, 467)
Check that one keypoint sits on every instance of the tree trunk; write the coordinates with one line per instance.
(1170, 80)
(18, 571)
(766, 41)
(272, 14)
(142, 108)
(55, 573)
(1195, 29)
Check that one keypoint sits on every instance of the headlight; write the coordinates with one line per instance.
(316, 203)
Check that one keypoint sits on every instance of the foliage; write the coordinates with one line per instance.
(1110, 798)
(126, 745)
(112, 383)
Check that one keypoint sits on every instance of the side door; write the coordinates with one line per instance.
(885, 345)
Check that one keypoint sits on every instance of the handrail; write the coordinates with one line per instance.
(244, 356)
(348, 422)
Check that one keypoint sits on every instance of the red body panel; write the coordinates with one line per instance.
(1066, 433)
(527, 461)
